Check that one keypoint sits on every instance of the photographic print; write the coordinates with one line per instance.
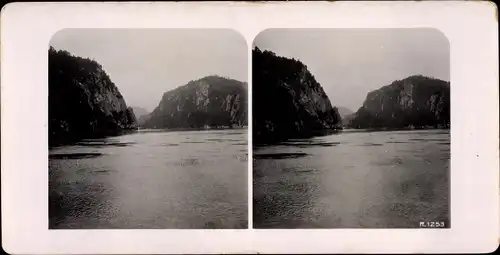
(351, 128)
(147, 129)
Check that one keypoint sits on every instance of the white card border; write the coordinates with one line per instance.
(471, 28)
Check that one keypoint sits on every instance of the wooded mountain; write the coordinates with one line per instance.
(288, 102)
(416, 101)
(212, 101)
(83, 101)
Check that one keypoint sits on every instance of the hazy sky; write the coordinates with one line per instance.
(145, 63)
(349, 63)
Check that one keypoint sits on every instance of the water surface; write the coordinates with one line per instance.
(354, 179)
(188, 179)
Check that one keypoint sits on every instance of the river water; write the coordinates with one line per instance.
(189, 179)
(354, 179)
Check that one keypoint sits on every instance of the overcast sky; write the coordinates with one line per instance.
(145, 63)
(349, 63)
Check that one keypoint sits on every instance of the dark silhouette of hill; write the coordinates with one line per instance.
(288, 102)
(83, 101)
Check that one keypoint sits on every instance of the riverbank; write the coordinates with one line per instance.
(272, 140)
(188, 129)
(69, 139)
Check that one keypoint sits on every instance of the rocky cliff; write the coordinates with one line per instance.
(212, 101)
(83, 101)
(288, 102)
(416, 101)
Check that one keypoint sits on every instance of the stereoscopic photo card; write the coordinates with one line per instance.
(227, 127)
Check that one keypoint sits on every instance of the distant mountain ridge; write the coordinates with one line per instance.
(344, 111)
(141, 114)
(416, 101)
(209, 102)
(83, 101)
(139, 111)
(346, 114)
(288, 102)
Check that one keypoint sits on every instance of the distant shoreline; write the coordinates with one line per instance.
(68, 141)
(270, 140)
(339, 131)
(190, 129)
(73, 139)
(397, 129)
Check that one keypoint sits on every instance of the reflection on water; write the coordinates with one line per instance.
(354, 179)
(189, 179)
